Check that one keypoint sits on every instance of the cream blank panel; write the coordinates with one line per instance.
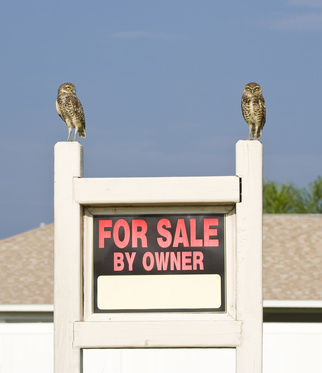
(177, 360)
(159, 292)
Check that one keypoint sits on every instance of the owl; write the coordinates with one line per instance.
(70, 109)
(254, 109)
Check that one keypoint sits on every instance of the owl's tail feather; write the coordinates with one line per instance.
(82, 134)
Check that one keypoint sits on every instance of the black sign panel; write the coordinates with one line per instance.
(149, 245)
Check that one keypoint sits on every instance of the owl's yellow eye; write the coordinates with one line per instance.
(248, 89)
(68, 88)
(256, 89)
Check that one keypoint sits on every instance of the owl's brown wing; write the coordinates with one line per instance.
(76, 107)
(263, 107)
(244, 104)
(58, 110)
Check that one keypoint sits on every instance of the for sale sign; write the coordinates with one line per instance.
(159, 263)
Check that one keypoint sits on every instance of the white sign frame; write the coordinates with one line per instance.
(76, 327)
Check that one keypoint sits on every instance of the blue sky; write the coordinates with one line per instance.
(160, 83)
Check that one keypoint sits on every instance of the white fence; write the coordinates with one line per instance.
(296, 348)
(26, 348)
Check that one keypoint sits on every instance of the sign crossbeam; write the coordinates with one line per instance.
(159, 190)
(155, 335)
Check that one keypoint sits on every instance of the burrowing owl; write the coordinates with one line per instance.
(70, 109)
(254, 109)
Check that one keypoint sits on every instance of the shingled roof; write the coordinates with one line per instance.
(292, 261)
(292, 257)
(27, 267)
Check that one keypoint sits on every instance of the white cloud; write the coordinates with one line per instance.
(307, 3)
(303, 21)
(305, 15)
(144, 35)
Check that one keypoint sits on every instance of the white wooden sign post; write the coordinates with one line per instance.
(158, 262)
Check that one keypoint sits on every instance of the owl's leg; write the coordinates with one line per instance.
(258, 131)
(250, 131)
(69, 132)
(254, 132)
(76, 130)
